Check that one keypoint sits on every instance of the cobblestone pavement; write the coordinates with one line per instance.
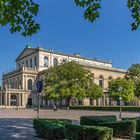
(17, 124)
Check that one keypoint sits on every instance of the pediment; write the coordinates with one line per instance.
(25, 52)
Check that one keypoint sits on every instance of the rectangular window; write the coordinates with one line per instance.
(27, 63)
(31, 63)
(35, 61)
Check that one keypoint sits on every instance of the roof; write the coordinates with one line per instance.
(25, 52)
(28, 51)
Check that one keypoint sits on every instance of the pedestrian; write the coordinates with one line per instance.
(54, 107)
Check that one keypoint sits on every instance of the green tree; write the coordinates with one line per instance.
(133, 74)
(137, 88)
(94, 92)
(127, 91)
(70, 80)
(20, 14)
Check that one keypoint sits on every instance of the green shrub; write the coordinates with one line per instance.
(82, 132)
(137, 122)
(121, 129)
(50, 129)
(94, 120)
(137, 136)
(107, 108)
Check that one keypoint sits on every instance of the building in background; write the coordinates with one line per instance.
(19, 85)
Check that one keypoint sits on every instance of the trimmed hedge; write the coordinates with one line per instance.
(137, 119)
(50, 129)
(107, 108)
(121, 129)
(95, 120)
(82, 132)
(137, 136)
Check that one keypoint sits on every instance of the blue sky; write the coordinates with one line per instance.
(64, 29)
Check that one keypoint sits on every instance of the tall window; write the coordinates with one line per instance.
(19, 65)
(35, 61)
(101, 81)
(23, 63)
(27, 64)
(31, 63)
(55, 62)
(29, 84)
(10, 84)
(46, 62)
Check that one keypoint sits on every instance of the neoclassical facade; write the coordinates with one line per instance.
(19, 85)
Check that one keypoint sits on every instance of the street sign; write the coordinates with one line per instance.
(39, 86)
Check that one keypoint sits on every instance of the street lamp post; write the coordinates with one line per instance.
(120, 101)
(120, 114)
(38, 109)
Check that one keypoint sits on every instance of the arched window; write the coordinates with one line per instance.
(29, 84)
(101, 81)
(46, 61)
(55, 62)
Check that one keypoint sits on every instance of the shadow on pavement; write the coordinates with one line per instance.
(17, 129)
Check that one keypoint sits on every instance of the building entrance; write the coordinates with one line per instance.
(13, 100)
(30, 102)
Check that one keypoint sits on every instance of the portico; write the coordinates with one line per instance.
(13, 97)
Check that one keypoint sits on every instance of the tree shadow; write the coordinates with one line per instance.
(17, 129)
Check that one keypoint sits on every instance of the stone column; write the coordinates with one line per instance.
(99, 102)
(22, 99)
(94, 102)
(5, 99)
(104, 100)
(23, 82)
(19, 99)
(9, 100)
(0, 99)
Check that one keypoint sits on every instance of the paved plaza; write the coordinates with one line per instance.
(17, 124)
(17, 129)
(62, 114)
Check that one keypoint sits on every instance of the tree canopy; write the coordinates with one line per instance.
(19, 14)
(70, 80)
(126, 91)
(133, 74)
